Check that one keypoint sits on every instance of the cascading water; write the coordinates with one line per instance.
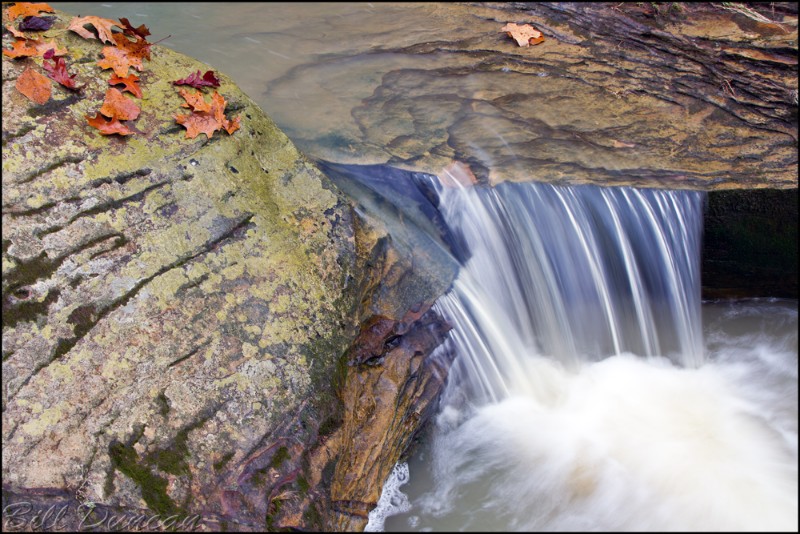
(583, 395)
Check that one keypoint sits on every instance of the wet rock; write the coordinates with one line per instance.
(680, 95)
(750, 244)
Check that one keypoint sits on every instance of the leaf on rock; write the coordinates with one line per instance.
(57, 70)
(15, 32)
(126, 54)
(108, 127)
(103, 27)
(24, 9)
(118, 106)
(33, 47)
(523, 34)
(197, 81)
(118, 60)
(21, 48)
(36, 24)
(131, 83)
(140, 32)
(137, 50)
(196, 101)
(33, 85)
(208, 122)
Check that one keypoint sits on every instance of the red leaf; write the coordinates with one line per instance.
(108, 127)
(140, 32)
(195, 80)
(58, 71)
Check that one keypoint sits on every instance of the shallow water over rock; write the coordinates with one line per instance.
(698, 99)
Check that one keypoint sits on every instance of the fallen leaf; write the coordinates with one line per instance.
(36, 24)
(118, 106)
(131, 83)
(208, 122)
(21, 48)
(138, 48)
(523, 34)
(24, 9)
(108, 127)
(103, 27)
(33, 47)
(196, 101)
(33, 85)
(15, 32)
(142, 31)
(119, 61)
(195, 80)
(57, 70)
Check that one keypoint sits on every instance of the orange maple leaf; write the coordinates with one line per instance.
(131, 83)
(523, 34)
(210, 121)
(139, 48)
(119, 60)
(108, 127)
(33, 47)
(118, 106)
(103, 27)
(25, 9)
(15, 32)
(196, 101)
(35, 86)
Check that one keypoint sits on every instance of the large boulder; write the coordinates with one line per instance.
(179, 315)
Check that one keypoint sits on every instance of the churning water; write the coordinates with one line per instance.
(586, 393)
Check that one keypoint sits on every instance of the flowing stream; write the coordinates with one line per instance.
(586, 393)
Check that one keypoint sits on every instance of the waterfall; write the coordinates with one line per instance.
(583, 395)
(571, 273)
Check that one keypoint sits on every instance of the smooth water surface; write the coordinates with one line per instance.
(418, 85)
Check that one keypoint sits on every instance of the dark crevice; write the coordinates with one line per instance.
(119, 242)
(115, 204)
(89, 315)
(24, 130)
(121, 179)
(194, 283)
(54, 165)
(187, 355)
(41, 209)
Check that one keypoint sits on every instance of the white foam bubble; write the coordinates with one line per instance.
(392, 500)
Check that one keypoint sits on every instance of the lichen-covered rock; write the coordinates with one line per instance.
(176, 312)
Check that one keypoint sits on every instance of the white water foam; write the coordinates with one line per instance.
(585, 395)
(392, 501)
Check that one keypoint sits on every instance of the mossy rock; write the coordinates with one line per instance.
(169, 304)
